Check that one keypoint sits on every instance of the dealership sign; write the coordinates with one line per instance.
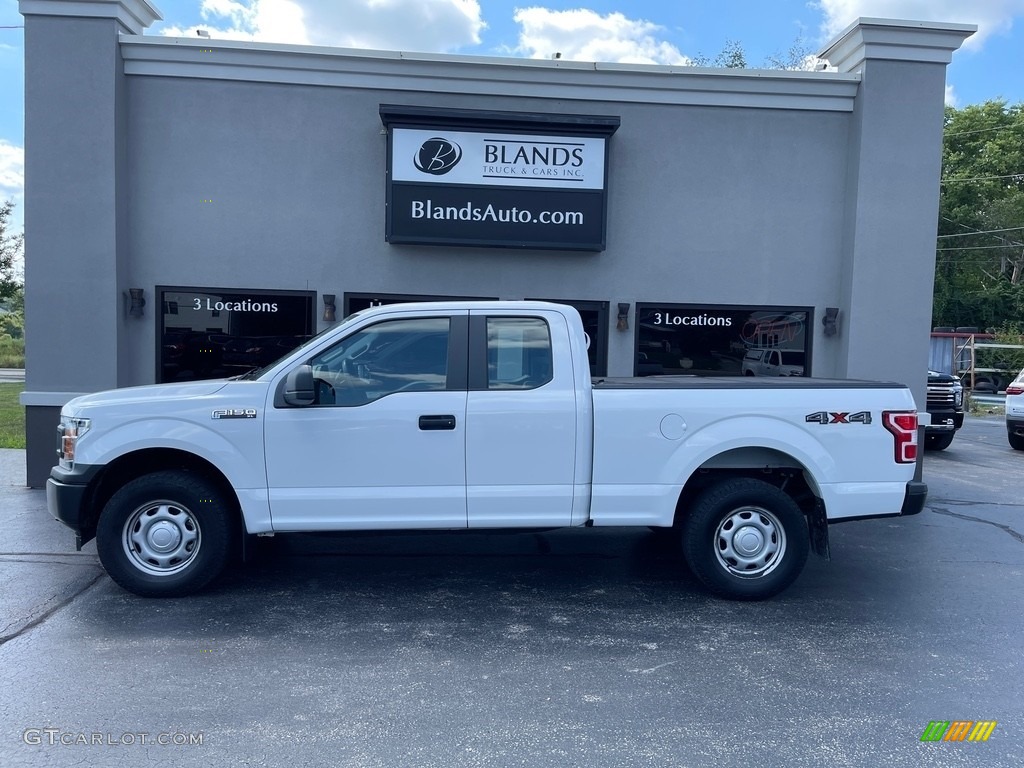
(463, 182)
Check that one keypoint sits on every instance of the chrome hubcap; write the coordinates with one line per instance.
(161, 538)
(750, 542)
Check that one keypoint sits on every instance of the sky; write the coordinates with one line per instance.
(989, 66)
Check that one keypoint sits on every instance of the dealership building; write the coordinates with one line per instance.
(197, 207)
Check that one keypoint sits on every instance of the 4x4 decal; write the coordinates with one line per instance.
(838, 417)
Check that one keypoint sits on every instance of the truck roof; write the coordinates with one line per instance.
(492, 304)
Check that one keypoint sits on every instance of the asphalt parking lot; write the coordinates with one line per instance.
(568, 648)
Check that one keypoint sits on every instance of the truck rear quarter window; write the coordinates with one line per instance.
(518, 353)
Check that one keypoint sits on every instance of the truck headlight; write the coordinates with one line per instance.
(958, 396)
(70, 431)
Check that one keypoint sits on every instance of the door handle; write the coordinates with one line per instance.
(437, 422)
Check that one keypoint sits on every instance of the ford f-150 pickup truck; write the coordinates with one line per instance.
(477, 415)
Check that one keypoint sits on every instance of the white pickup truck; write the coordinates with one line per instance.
(457, 415)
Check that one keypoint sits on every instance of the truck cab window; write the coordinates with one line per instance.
(383, 359)
(518, 353)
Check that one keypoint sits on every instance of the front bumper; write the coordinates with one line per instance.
(67, 499)
(945, 421)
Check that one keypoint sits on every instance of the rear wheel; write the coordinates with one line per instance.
(938, 442)
(1016, 441)
(745, 539)
(165, 534)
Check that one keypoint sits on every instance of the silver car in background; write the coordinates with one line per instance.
(1015, 413)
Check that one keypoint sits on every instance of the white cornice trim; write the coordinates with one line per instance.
(52, 399)
(480, 75)
(895, 40)
(133, 15)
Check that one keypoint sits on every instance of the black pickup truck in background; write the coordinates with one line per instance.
(946, 407)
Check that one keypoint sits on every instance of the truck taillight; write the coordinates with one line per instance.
(903, 426)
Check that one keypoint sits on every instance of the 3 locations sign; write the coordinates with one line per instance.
(213, 333)
(717, 340)
(497, 179)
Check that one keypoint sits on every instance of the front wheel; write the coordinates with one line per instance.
(166, 534)
(745, 539)
(1016, 441)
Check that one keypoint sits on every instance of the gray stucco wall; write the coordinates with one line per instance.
(231, 165)
(705, 205)
(72, 296)
(889, 241)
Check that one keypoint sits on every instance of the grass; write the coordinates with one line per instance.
(12, 416)
(12, 352)
(979, 408)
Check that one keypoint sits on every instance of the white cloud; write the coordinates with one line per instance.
(584, 35)
(951, 99)
(407, 25)
(12, 169)
(12, 180)
(991, 16)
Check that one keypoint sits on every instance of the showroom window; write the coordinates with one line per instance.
(594, 315)
(722, 340)
(356, 302)
(208, 333)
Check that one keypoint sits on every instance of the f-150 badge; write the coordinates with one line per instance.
(838, 417)
(234, 413)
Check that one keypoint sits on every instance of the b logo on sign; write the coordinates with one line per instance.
(437, 156)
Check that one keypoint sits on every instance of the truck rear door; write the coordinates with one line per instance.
(521, 420)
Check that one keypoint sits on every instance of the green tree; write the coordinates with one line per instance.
(10, 251)
(12, 295)
(731, 56)
(798, 57)
(979, 270)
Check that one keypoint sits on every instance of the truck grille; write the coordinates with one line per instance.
(941, 394)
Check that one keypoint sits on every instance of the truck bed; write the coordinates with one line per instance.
(737, 382)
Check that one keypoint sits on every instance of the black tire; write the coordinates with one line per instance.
(938, 442)
(166, 534)
(1016, 441)
(772, 525)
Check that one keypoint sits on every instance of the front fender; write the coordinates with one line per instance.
(236, 449)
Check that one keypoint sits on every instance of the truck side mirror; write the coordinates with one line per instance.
(298, 386)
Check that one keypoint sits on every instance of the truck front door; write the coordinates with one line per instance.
(384, 444)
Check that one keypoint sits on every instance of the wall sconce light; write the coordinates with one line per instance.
(134, 301)
(329, 307)
(831, 321)
(622, 319)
